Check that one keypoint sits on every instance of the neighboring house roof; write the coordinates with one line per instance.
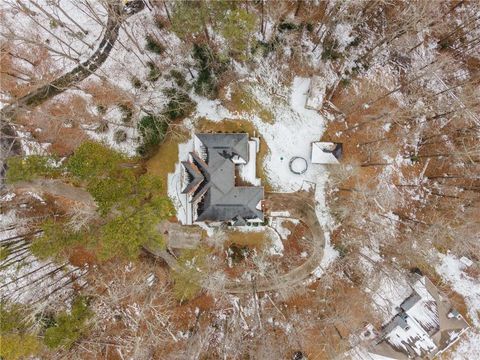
(326, 152)
(211, 179)
(423, 327)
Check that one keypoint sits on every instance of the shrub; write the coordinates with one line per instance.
(16, 347)
(13, 332)
(265, 48)
(345, 82)
(54, 240)
(287, 26)
(179, 104)
(159, 22)
(68, 327)
(154, 45)
(109, 190)
(120, 136)
(209, 67)
(127, 112)
(137, 223)
(154, 72)
(136, 82)
(178, 77)
(125, 235)
(101, 127)
(92, 160)
(152, 128)
(355, 42)
(53, 24)
(238, 253)
(102, 109)
(330, 50)
(31, 167)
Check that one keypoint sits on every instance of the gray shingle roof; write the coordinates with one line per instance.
(215, 180)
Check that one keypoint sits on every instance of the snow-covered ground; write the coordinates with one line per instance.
(468, 347)
(24, 278)
(452, 270)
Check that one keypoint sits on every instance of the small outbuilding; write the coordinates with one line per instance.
(316, 93)
(326, 152)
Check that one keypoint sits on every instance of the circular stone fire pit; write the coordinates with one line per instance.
(298, 165)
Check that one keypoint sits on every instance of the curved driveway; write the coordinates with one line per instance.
(301, 206)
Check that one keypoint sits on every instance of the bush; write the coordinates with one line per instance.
(178, 77)
(136, 82)
(137, 223)
(179, 104)
(55, 240)
(152, 128)
(108, 191)
(355, 42)
(102, 126)
(209, 67)
(345, 82)
(16, 347)
(31, 167)
(265, 47)
(238, 253)
(127, 112)
(68, 327)
(154, 72)
(139, 206)
(159, 22)
(13, 332)
(93, 159)
(120, 136)
(287, 26)
(102, 109)
(330, 50)
(154, 45)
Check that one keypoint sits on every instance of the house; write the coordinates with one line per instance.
(425, 326)
(219, 179)
(326, 152)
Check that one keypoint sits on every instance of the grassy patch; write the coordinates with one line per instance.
(243, 101)
(163, 162)
(193, 267)
(252, 240)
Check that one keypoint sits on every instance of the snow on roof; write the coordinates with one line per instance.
(248, 171)
(326, 152)
(417, 330)
(411, 336)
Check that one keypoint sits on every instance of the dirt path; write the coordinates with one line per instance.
(9, 144)
(56, 188)
(301, 206)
